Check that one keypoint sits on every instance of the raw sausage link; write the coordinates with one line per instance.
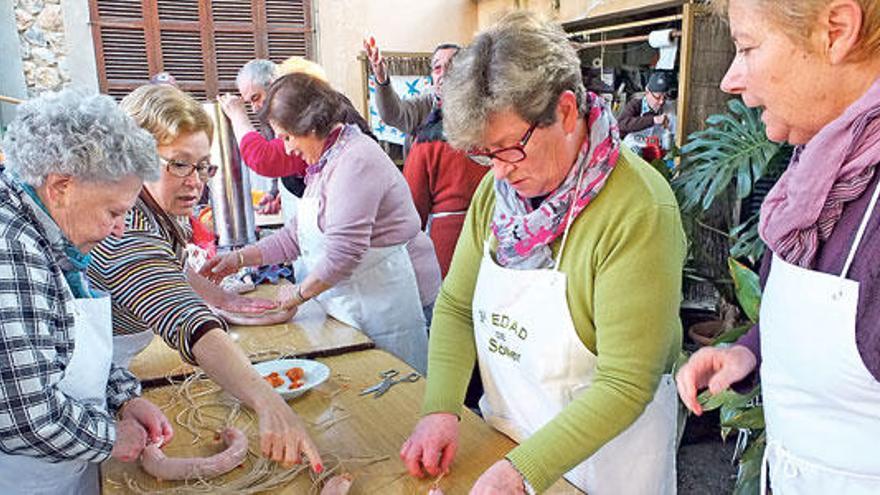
(154, 461)
(337, 485)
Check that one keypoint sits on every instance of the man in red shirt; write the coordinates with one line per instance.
(260, 150)
(442, 179)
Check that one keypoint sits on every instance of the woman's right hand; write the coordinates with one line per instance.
(713, 367)
(432, 445)
(377, 61)
(220, 266)
(131, 438)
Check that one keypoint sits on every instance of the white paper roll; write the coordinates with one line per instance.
(663, 41)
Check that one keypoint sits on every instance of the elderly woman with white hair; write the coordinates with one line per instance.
(817, 345)
(565, 283)
(75, 165)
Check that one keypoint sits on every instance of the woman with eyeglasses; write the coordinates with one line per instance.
(154, 291)
(356, 228)
(565, 282)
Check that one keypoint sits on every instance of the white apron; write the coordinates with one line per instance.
(289, 202)
(533, 365)
(638, 139)
(126, 347)
(381, 297)
(821, 404)
(85, 379)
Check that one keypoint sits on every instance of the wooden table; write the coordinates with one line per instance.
(310, 334)
(347, 427)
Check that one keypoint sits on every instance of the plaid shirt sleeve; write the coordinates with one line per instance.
(122, 386)
(36, 418)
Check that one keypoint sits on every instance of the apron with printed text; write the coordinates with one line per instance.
(533, 365)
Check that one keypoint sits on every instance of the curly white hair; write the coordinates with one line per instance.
(82, 135)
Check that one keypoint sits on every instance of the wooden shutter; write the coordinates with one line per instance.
(202, 43)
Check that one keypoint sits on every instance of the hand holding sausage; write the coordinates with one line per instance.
(715, 368)
(432, 445)
(131, 438)
(150, 417)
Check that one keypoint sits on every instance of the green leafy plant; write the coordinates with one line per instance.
(733, 152)
(742, 412)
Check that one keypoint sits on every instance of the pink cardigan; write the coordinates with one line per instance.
(364, 202)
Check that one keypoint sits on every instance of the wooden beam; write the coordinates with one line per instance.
(685, 62)
(618, 41)
(629, 25)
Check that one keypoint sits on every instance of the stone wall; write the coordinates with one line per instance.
(42, 44)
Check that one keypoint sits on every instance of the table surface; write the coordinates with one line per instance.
(349, 429)
(311, 333)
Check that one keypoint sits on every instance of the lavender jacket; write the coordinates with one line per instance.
(865, 269)
(363, 202)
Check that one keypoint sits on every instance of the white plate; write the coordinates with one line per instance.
(316, 374)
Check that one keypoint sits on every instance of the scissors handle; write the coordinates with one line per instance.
(387, 377)
(412, 377)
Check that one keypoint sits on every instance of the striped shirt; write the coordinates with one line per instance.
(37, 419)
(143, 271)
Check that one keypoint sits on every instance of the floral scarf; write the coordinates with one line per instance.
(834, 168)
(524, 233)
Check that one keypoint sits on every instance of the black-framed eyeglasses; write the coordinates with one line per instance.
(510, 154)
(658, 96)
(182, 169)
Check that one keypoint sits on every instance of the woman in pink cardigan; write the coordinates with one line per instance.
(356, 228)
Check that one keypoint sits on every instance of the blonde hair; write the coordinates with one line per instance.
(300, 65)
(166, 112)
(797, 19)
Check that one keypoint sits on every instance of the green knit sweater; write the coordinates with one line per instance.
(623, 263)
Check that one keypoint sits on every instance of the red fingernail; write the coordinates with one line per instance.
(319, 468)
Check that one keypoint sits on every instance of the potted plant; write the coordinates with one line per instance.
(719, 170)
(742, 413)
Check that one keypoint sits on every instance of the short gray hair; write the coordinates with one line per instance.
(258, 71)
(521, 63)
(77, 134)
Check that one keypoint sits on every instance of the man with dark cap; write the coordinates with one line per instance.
(647, 115)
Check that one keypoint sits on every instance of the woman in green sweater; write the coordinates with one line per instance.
(565, 283)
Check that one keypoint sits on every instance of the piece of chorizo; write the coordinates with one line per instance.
(154, 461)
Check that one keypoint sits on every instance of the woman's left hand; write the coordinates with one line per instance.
(288, 296)
(152, 418)
(283, 436)
(502, 477)
(235, 303)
